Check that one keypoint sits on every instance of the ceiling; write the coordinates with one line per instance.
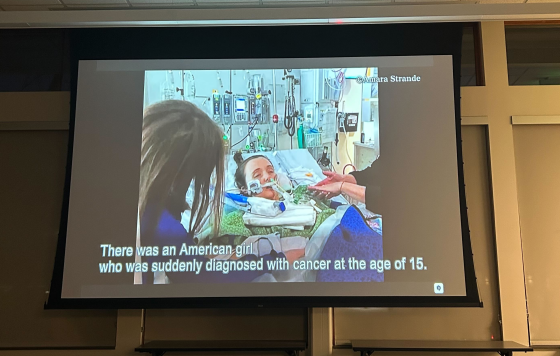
(61, 5)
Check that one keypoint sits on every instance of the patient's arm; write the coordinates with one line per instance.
(333, 177)
(354, 191)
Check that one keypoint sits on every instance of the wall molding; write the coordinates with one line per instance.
(535, 120)
(474, 120)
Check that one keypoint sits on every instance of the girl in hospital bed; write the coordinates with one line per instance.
(258, 173)
(322, 228)
(181, 178)
(256, 176)
(268, 204)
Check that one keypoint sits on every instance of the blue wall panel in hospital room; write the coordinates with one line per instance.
(32, 169)
(444, 323)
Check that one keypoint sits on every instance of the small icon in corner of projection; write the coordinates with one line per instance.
(438, 288)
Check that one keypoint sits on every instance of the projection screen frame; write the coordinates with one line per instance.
(157, 43)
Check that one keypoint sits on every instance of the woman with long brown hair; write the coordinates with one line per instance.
(182, 155)
(182, 148)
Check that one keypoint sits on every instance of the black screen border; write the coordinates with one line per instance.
(301, 41)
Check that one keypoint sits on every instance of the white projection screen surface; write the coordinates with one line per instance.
(265, 178)
(210, 175)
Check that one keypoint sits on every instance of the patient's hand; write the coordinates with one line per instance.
(328, 190)
(333, 177)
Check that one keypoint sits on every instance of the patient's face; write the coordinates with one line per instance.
(261, 169)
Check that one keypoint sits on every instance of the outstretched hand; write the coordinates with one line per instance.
(333, 177)
(327, 190)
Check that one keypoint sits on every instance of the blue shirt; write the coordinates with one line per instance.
(170, 232)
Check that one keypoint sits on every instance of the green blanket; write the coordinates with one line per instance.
(232, 224)
(303, 195)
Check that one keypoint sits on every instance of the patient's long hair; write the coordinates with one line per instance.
(240, 180)
(180, 145)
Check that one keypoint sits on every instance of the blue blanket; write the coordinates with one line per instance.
(352, 238)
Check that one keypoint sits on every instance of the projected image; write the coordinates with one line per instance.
(254, 176)
(339, 175)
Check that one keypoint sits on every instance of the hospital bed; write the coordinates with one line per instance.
(302, 169)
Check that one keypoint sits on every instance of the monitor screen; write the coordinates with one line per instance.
(240, 104)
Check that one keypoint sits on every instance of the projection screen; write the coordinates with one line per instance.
(315, 181)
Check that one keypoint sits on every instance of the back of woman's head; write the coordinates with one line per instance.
(180, 145)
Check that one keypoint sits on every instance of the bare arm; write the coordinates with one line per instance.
(354, 191)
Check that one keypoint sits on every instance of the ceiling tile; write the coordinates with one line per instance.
(161, 2)
(94, 3)
(293, 1)
(359, 2)
(164, 5)
(228, 2)
(99, 7)
(500, 1)
(425, 1)
(32, 8)
(29, 2)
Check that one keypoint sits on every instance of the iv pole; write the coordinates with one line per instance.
(275, 112)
